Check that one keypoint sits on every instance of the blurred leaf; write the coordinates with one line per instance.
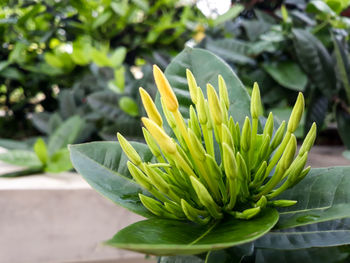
(105, 103)
(41, 150)
(59, 162)
(101, 19)
(14, 145)
(100, 58)
(319, 7)
(288, 74)
(316, 111)
(67, 105)
(118, 56)
(129, 106)
(54, 122)
(233, 12)
(41, 121)
(20, 158)
(343, 123)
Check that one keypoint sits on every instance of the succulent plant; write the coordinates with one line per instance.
(214, 167)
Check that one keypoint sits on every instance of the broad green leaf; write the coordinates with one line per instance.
(312, 255)
(315, 60)
(67, 103)
(319, 7)
(105, 103)
(317, 110)
(20, 158)
(27, 171)
(206, 67)
(322, 196)
(181, 259)
(103, 166)
(41, 150)
(59, 162)
(325, 234)
(172, 237)
(288, 74)
(230, 255)
(118, 56)
(129, 106)
(66, 134)
(14, 145)
(232, 50)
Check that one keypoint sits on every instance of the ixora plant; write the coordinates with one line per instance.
(211, 188)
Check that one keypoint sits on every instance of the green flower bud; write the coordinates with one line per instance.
(201, 111)
(255, 104)
(289, 152)
(277, 139)
(246, 135)
(155, 207)
(281, 203)
(214, 105)
(259, 176)
(192, 213)
(248, 213)
(129, 150)
(175, 209)
(230, 163)
(262, 202)
(197, 145)
(157, 180)
(194, 124)
(151, 142)
(302, 175)
(223, 92)
(150, 107)
(168, 116)
(309, 140)
(268, 129)
(226, 136)
(192, 86)
(139, 176)
(296, 114)
(264, 149)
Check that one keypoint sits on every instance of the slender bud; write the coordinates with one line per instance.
(277, 139)
(205, 198)
(296, 114)
(194, 124)
(150, 107)
(151, 142)
(289, 152)
(129, 150)
(247, 214)
(223, 92)
(309, 140)
(214, 105)
(255, 103)
(192, 213)
(163, 140)
(199, 151)
(165, 89)
(226, 136)
(156, 207)
(201, 111)
(282, 203)
(259, 176)
(268, 129)
(192, 85)
(302, 175)
(157, 180)
(246, 135)
(243, 171)
(262, 202)
(168, 116)
(230, 163)
(175, 209)
(139, 176)
(264, 148)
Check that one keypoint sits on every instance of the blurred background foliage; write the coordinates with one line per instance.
(59, 59)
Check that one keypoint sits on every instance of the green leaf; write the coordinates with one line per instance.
(66, 133)
(41, 150)
(20, 158)
(312, 255)
(319, 7)
(129, 106)
(171, 237)
(322, 196)
(315, 60)
(283, 114)
(103, 166)
(317, 110)
(118, 56)
(101, 19)
(67, 103)
(230, 255)
(41, 121)
(288, 74)
(59, 162)
(181, 259)
(233, 12)
(100, 58)
(105, 103)
(206, 67)
(14, 145)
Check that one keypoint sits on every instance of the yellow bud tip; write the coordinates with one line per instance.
(129, 150)
(163, 140)
(150, 107)
(192, 85)
(165, 89)
(214, 105)
(255, 104)
(296, 114)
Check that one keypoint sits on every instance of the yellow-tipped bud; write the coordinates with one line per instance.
(192, 85)
(246, 135)
(223, 91)
(150, 107)
(255, 103)
(163, 140)
(230, 163)
(309, 140)
(296, 114)
(201, 111)
(268, 129)
(165, 89)
(289, 152)
(197, 146)
(129, 150)
(214, 105)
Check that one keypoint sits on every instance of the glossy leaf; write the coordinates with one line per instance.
(20, 158)
(287, 74)
(103, 166)
(171, 237)
(206, 67)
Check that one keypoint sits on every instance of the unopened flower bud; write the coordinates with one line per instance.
(199, 150)
(129, 150)
(151, 142)
(246, 135)
(193, 123)
(282, 203)
(255, 104)
(214, 105)
(289, 152)
(223, 92)
(296, 114)
(192, 86)
(268, 129)
(278, 136)
(201, 111)
(150, 107)
(309, 140)
(139, 176)
(230, 163)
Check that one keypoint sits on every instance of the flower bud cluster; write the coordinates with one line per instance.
(189, 182)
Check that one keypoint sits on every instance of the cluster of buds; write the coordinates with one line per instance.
(190, 180)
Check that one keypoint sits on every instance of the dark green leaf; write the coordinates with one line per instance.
(317, 110)
(343, 123)
(41, 121)
(171, 237)
(103, 166)
(233, 12)
(105, 103)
